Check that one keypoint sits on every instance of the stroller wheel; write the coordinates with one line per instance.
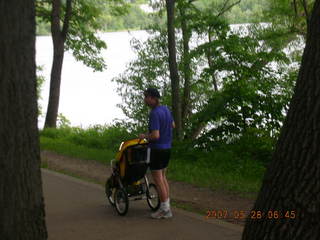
(121, 201)
(153, 197)
(110, 192)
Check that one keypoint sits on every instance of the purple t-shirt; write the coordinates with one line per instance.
(160, 118)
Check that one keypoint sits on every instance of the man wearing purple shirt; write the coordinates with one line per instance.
(160, 139)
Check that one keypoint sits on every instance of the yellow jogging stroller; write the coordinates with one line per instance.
(128, 180)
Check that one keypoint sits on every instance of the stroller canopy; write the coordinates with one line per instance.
(129, 143)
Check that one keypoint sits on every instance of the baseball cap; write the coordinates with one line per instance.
(153, 92)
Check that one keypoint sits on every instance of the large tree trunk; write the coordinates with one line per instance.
(21, 199)
(292, 182)
(58, 37)
(173, 67)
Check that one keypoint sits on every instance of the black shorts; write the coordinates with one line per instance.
(159, 158)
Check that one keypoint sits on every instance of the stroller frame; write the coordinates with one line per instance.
(128, 181)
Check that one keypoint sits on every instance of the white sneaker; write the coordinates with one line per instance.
(162, 214)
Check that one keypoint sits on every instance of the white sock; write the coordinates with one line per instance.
(168, 202)
(165, 205)
(162, 205)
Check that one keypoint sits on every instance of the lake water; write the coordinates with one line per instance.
(87, 97)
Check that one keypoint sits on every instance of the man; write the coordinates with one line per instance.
(160, 138)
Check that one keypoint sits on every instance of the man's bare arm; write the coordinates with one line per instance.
(154, 135)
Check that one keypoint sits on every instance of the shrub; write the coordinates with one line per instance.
(97, 136)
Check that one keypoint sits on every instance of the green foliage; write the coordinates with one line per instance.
(254, 68)
(254, 145)
(62, 121)
(245, 11)
(42, 28)
(221, 169)
(82, 39)
(67, 148)
(109, 15)
(40, 81)
(251, 65)
(99, 137)
(254, 87)
(149, 69)
(292, 15)
(248, 11)
(120, 15)
(43, 9)
(81, 36)
(132, 18)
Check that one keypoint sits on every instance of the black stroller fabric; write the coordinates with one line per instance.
(136, 163)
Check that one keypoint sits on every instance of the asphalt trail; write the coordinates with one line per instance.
(77, 210)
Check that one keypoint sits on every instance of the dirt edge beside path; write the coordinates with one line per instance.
(204, 201)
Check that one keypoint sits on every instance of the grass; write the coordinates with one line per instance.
(70, 149)
(218, 172)
(221, 169)
(95, 143)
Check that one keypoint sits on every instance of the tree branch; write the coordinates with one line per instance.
(295, 7)
(305, 7)
(225, 5)
(226, 8)
(214, 80)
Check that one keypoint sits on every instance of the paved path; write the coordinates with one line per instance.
(76, 210)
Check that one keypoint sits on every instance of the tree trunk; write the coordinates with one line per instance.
(197, 130)
(186, 35)
(291, 185)
(58, 38)
(55, 82)
(210, 63)
(21, 199)
(173, 67)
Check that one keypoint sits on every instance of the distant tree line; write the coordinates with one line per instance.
(132, 17)
(135, 18)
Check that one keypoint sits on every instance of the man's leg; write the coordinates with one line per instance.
(164, 211)
(165, 182)
(157, 176)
